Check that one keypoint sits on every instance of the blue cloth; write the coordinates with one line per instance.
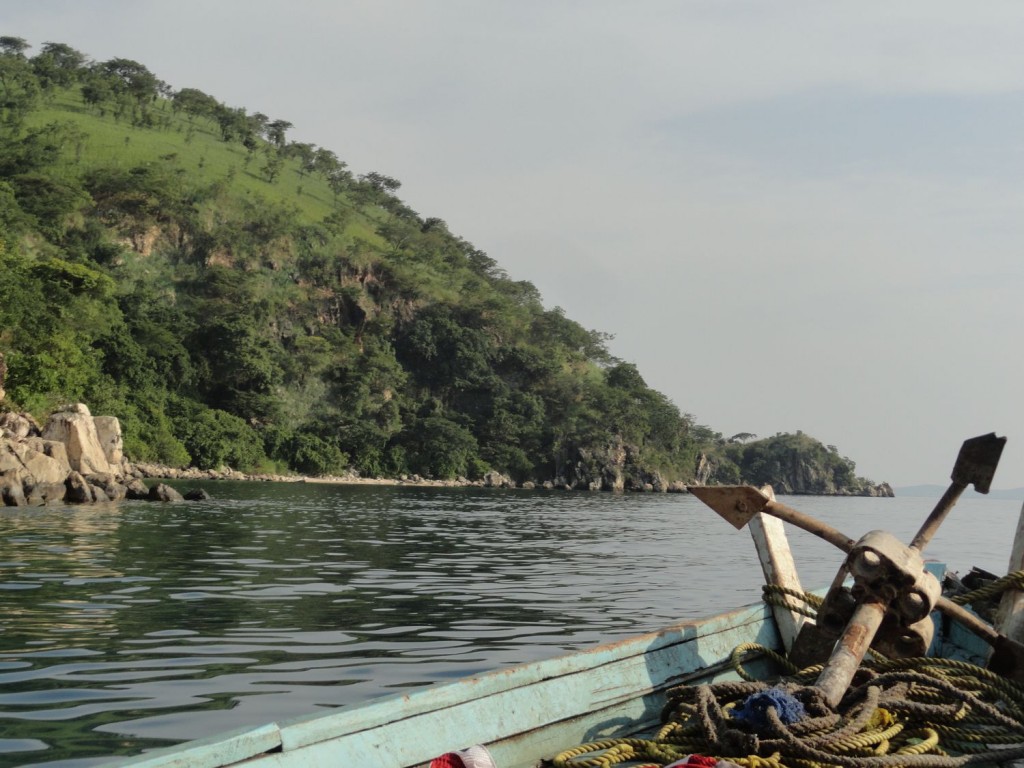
(754, 711)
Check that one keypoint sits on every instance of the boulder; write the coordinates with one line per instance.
(108, 429)
(197, 494)
(46, 493)
(494, 479)
(12, 492)
(28, 474)
(75, 427)
(136, 489)
(108, 485)
(51, 448)
(78, 491)
(18, 425)
(164, 492)
(9, 460)
(40, 467)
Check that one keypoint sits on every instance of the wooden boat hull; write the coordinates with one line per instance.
(521, 714)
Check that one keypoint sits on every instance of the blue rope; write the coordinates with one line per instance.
(754, 710)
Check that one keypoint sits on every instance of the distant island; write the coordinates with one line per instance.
(236, 298)
(936, 491)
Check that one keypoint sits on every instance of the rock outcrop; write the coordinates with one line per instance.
(75, 459)
(793, 464)
(615, 467)
(76, 428)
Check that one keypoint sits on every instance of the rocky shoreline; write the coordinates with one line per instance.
(489, 480)
(78, 458)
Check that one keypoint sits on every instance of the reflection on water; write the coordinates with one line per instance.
(128, 626)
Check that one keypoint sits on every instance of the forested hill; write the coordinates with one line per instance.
(235, 297)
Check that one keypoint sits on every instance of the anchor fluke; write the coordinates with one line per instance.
(976, 464)
(736, 503)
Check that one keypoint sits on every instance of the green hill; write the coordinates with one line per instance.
(236, 297)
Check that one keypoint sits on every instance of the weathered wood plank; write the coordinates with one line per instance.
(769, 534)
(1010, 616)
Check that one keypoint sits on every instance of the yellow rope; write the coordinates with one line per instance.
(1013, 580)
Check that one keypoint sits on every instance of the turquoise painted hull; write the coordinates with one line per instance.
(521, 714)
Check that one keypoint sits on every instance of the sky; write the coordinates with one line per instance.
(791, 216)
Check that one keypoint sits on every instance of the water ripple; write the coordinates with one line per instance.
(133, 625)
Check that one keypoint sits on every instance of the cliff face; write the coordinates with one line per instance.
(617, 466)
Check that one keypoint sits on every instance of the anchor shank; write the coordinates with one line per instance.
(849, 650)
(942, 508)
(809, 524)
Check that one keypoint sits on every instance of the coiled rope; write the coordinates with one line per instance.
(918, 713)
(1013, 580)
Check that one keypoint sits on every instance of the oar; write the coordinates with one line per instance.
(975, 465)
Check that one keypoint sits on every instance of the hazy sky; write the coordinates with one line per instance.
(795, 215)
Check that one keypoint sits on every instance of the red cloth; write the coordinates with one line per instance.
(449, 760)
(698, 761)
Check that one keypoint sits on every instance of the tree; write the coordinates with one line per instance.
(272, 166)
(133, 81)
(275, 132)
(50, 200)
(195, 103)
(368, 392)
(313, 455)
(234, 125)
(98, 89)
(216, 438)
(439, 447)
(339, 181)
(258, 123)
(58, 65)
(13, 46)
(380, 182)
(135, 78)
(19, 89)
(326, 163)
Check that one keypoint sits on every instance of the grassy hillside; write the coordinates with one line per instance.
(100, 139)
(235, 297)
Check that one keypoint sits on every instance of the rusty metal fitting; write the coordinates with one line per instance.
(883, 567)
(901, 641)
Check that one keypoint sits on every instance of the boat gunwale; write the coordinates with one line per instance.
(317, 728)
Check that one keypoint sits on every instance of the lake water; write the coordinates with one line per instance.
(129, 626)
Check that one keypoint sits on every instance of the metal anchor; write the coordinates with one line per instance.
(890, 583)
